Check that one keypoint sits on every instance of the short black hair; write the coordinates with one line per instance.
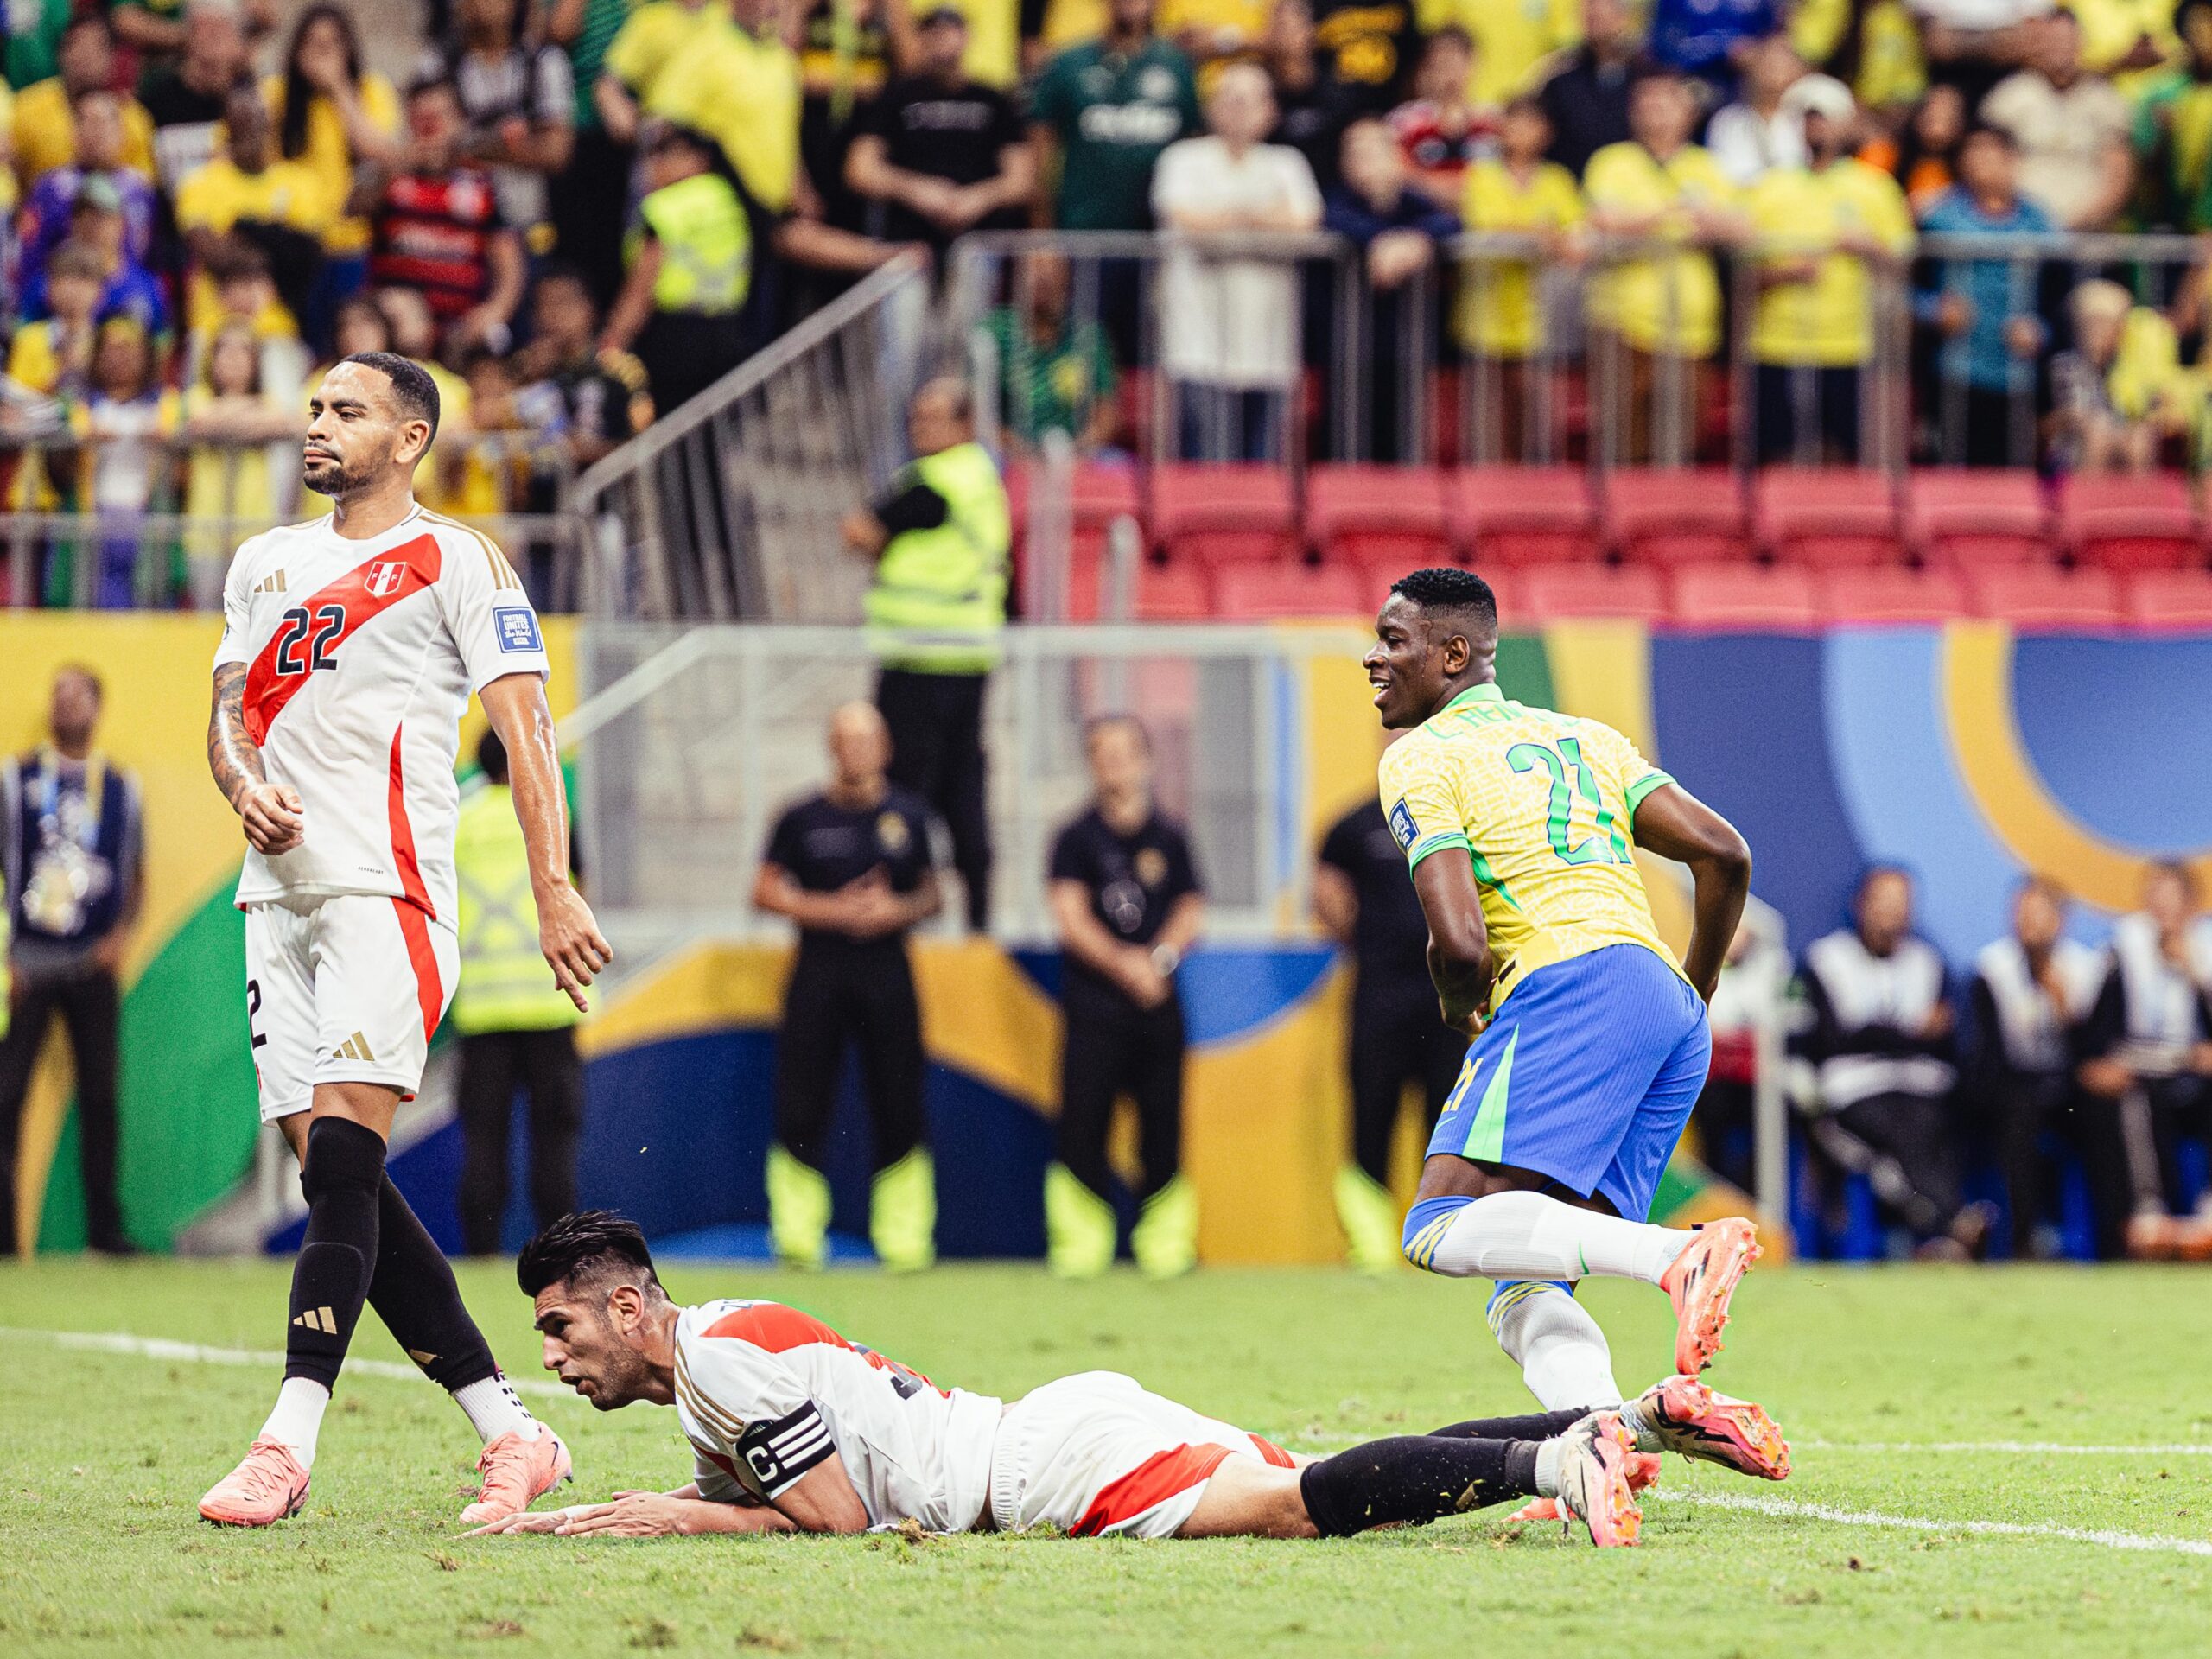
(1447, 587)
(584, 1245)
(411, 384)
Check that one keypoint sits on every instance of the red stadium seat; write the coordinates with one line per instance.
(1257, 593)
(2129, 522)
(1826, 517)
(1224, 514)
(1371, 515)
(1893, 594)
(1733, 597)
(2044, 596)
(1525, 515)
(1550, 592)
(1172, 593)
(1098, 493)
(1664, 517)
(1968, 517)
(2169, 599)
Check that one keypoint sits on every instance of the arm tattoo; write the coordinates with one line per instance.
(231, 756)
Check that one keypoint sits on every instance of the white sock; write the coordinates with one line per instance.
(1548, 1454)
(1562, 1354)
(1647, 1437)
(1527, 1236)
(298, 1417)
(495, 1408)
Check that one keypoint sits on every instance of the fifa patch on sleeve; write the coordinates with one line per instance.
(517, 626)
(1402, 825)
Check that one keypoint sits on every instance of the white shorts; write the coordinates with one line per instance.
(345, 987)
(1096, 1455)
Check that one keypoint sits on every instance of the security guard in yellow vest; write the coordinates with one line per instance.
(941, 537)
(682, 308)
(516, 1028)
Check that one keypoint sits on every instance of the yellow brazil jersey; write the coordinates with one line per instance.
(46, 131)
(1829, 321)
(1499, 313)
(1668, 303)
(745, 92)
(328, 154)
(1511, 38)
(652, 38)
(1545, 804)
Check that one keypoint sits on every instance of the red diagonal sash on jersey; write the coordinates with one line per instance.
(359, 597)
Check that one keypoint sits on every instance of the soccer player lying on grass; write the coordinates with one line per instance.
(794, 1428)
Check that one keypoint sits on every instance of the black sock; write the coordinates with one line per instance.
(414, 1294)
(1413, 1478)
(342, 1170)
(1537, 1426)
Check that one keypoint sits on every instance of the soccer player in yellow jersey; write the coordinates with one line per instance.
(1590, 1041)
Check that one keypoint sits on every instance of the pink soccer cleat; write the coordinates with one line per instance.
(1699, 1423)
(267, 1487)
(1699, 1283)
(1593, 1480)
(1642, 1471)
(516, 1473)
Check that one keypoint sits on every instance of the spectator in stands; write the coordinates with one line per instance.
(2073, 129)
(1312, 110)
(1923, 155)
(231, 422)
(1101, 115)
(123, 420)
(1394, 227)
(1872, 47)
(2120, 391)
(1503, 321)
(847, 49)
(49, 367)
(1706, 40)
(1228, 338)
(2173, 128)
(1747, 1013)
(581, 400)
(1442, 133)
(2147, 1046)
(1511, 42)
(738, 81)
(358, 326)
(940, 154)
(2030, 991)
(435, 225)
(31, 49)
(160, 30)
(517, 108)
(591, 192)
(333, 118)
(1055, 369)
(249, 194)
(1759, 132)
(1586, 98)
(2127, 40)
(651, 39)
(1835, 227)
(1363, 52)
(1984, 312)
(244, 293)
(97, 221)
(187, 98)
(99, 154)
(1664, 310)
(1216, 32)
(73, 870)
(45, 124)
(682, 308)
(1974, 44)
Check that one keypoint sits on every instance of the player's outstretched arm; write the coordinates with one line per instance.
(1674, 823)
(824, 1500)
(642, 1514)
(515, 703)
(1460, 961)
(269, 813)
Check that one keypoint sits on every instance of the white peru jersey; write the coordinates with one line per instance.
(361, 658)
(766, 1392)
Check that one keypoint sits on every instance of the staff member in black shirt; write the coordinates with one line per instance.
(851, 865)
(1364, 899)
(1125, 897)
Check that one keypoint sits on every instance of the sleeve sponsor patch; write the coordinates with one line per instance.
(780, 1452)
(516, 628)
(1403, 826)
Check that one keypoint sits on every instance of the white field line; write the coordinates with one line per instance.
(2036, 1448)
(121, 1342)
(1790, 1508)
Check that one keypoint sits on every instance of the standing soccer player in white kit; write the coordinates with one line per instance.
(351, 644)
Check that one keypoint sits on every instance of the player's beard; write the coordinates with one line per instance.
(336, 478)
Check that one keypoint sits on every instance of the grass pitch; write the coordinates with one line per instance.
(1885, 1549)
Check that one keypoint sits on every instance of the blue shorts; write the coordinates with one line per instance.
(1587, 1076)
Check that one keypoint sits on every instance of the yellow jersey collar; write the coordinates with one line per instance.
(1488, 691)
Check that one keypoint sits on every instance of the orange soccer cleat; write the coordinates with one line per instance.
(1593, 1480)
(1694, 1420)
(1642, 1471)
(1699, 1283)
(516, 1473)
(267, 1487)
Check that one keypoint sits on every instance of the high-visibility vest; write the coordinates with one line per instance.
(706, 245)
(504, 983)
(951, 582)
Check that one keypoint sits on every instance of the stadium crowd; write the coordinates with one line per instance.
(584, 211)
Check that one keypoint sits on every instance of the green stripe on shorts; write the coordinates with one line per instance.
(1486, 1140)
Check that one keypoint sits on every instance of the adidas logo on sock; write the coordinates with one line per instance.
(273, 583)
(355, 1047)
(318, 1318)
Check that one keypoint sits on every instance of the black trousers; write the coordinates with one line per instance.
(90, 1007)
(1724, 1115)
(1807, 411)
(2028, 1107)
(1902, 1143)
(492, 1062)
(2170, 1109)
(937, 751)
(1398, 1036)
(843, 995)
(587, 205)
(1112, 1048)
